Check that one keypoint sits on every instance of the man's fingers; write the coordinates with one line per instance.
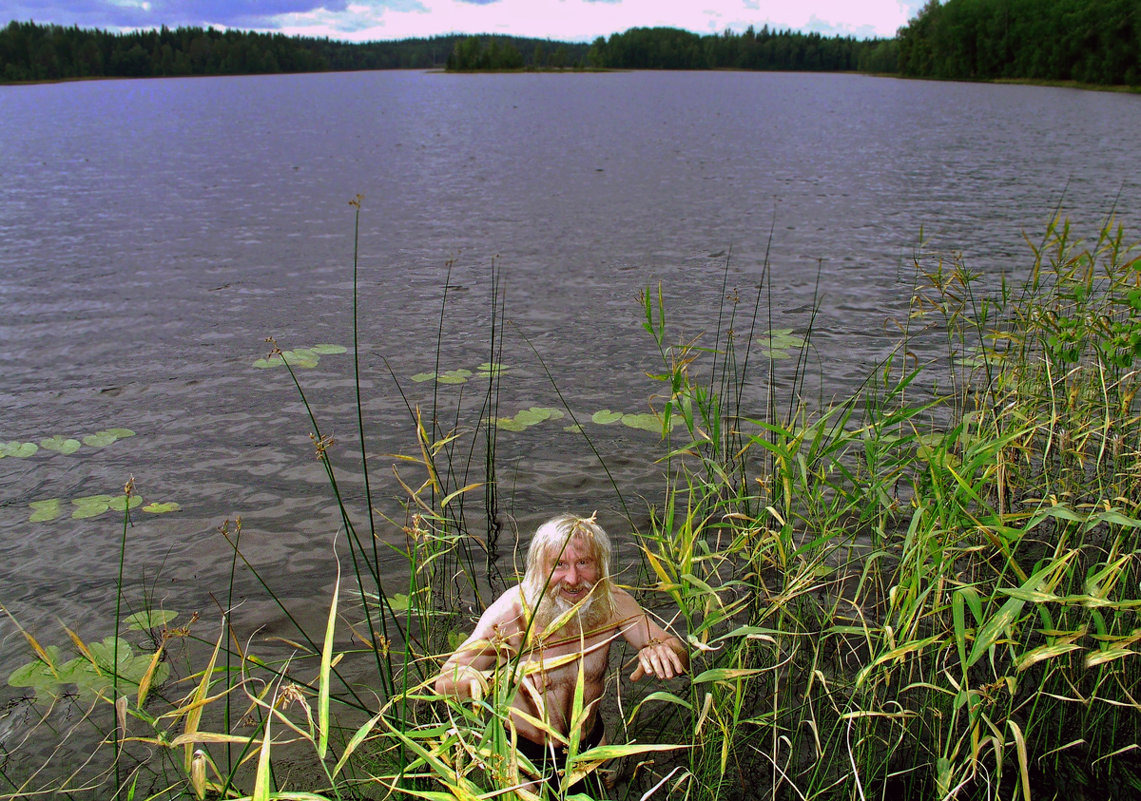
(638, 673)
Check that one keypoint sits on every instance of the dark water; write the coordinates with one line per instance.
(154, 232)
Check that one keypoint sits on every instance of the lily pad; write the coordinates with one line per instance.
(19, 450)
(90, 506)
(150, 619)
(120, 503)
(644, 422)
(454, 376)
(161, 508)
(89, 677)
(302, 357)
(272, 361)
(327, 349)
(606, 417)
(527, 418)
(491, 369)
(60, 444)
(778, 342)
(37, 674)
(508, 424)
(101, 439)
(422, 377)
(43, 511)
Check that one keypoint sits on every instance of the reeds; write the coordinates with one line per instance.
(926, 589)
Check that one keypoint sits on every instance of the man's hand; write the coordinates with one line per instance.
(463, 681)
(659, 660)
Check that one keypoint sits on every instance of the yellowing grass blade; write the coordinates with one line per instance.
(357, 738)
(326, 668)
(261, 778)
(1023, 761)
(145, 681)
(194, 717)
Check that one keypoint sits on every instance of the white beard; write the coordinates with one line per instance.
(591, 614)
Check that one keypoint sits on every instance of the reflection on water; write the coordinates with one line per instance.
(155, 232)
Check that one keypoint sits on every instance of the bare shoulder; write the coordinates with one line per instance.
(624, 605)
(504, 616)
(498, 630)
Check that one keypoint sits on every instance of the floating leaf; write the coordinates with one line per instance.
(454, 376)
(90, 506)
(99, 439)
(161, 508)
(777, 342)
(121, 433)
(272, 361)
(150, 619)
(120, 502)
(645, 422)
(606, 417)
(60, 444)
(19, 450)
(37, 674)
(398, 602)
(302, 357)
(456, 639)
(528, 417)
(326, 349)
(491, 369)
(43, 511)
(421, 377)
(509, 424)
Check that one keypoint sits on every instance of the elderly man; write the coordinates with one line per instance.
(563, 616)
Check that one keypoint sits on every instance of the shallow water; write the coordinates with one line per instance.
(155, 232)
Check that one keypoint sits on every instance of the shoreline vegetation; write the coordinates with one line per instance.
(1079, 43)
(928, 588)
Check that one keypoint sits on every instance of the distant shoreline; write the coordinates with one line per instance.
(1090, 87)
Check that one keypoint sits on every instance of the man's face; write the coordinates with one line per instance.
(575, 572)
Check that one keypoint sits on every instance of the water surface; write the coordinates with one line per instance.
(155, 232)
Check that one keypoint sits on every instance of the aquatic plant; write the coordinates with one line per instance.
(299, 357)
(928, 588)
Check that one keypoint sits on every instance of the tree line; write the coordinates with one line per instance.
(1090, 41)
(673, 49)
(32, 52)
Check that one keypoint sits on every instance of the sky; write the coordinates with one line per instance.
(565, 20)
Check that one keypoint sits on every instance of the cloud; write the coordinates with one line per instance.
(582, 20)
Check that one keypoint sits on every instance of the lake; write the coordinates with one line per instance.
(156, 232)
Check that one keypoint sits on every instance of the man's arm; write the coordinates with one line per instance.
(660, 654)
(495, 633)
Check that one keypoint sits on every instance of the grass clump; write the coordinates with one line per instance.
(928, 588)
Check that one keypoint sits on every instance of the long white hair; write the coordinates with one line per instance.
(549, 541)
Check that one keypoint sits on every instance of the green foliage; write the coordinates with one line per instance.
(927, 589)
(92, 673)
(1090, 41)
(298, 357)
(673, 49)
(94, 506)
(32, 52)
(527, 418)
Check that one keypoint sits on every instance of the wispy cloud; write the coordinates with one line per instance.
(389, 19)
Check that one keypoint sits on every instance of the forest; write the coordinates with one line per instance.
(670, 48)
(32, 52)
(1089, 41)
